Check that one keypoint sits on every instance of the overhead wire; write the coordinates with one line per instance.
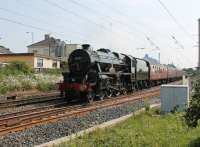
(148, 38)
(76, 14)
(109, 18)
(54, 4)
(30, 26)
(144, 34)
(171, 15)
(177, 42)
(38, 20)
(42, 11)
(180, 26)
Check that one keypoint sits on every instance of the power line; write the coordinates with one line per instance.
(181, 27)
(42, 11)
(123, 14)
(76, 14)
(23, 24)
(148, 38)
(128, 25)
(29, 26)
(177, 42)
(38, 20)
(107, 16)
(152, 43)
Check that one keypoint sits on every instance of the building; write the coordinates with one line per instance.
(53, 47)
(150, 60)
(36, 61)
(69, 48)
(4, 50)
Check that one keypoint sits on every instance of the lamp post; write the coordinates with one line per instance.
(32, 36)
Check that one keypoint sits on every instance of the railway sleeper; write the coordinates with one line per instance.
(13, 122)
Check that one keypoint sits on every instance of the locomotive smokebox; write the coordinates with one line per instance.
(85, 46)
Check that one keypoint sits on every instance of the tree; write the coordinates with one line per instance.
(193, 112)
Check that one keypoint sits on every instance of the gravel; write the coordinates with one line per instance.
(47, 132)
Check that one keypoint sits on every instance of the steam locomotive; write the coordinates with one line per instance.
(102, 73)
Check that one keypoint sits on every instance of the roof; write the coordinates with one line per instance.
(4, 50)
(48, 57)
(18, 54)
(30, 54)
(45, 42)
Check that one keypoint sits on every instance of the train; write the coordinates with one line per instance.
(103, 73)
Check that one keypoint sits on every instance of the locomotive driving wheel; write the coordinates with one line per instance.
(101, 95)
(90, 96)
(124, 92)
(109, 93)
(116, 93)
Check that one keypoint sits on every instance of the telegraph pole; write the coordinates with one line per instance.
(198, 67)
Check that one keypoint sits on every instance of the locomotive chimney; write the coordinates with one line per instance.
(85, 46)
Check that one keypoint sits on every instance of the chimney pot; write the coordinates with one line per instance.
(46, 36)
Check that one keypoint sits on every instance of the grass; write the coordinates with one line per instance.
(147, 129)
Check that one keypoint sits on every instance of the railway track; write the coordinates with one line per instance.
(29, 101)
(17, 121)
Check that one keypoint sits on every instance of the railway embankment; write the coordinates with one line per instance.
(148, 128)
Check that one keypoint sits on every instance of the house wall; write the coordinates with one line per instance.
(47, 63)
(30, 60)
(43, 50)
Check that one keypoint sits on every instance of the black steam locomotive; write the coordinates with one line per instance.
(102, 73)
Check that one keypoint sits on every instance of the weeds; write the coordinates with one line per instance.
(41, 82)
(147, 106)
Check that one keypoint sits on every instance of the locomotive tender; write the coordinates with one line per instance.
(102, 73)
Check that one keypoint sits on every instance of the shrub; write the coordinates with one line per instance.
(16, 68)
(44, 86)
(50, 71)
(3, 89)
(193, 112)
(26, 85)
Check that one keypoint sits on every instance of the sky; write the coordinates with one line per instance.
(135, 27)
